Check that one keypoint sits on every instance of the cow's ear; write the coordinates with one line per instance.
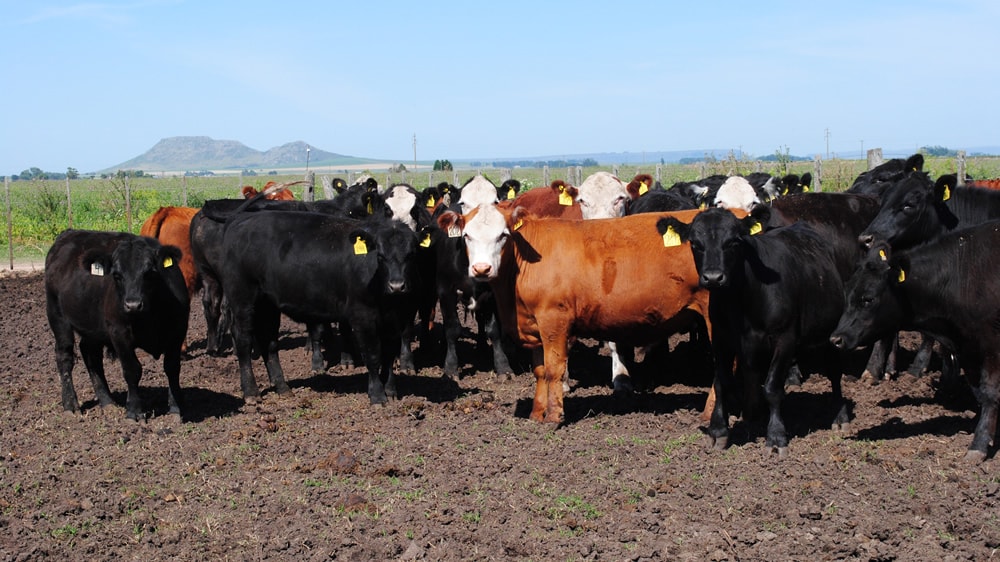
(673, 231)
(509, 189)
(168, 257)
(452, 223)
(373, 202)
(362, 242)
(339, 185)
(944, 185)
(914, 163)
(425, 236)
(639, 185)
(806, 181)
(753, 223)
(97, 263)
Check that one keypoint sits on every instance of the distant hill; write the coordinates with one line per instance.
(205, 153)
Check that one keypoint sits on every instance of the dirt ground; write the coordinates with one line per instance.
(457, 471)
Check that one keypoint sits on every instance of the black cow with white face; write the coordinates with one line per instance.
(121, 292)
(317, 269)
(773, 295)
(948, 289)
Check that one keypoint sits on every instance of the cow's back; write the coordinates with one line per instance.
(615, 278)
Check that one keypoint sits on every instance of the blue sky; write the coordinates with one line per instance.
(93, 84)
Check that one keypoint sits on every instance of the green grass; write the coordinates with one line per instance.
(40, 209)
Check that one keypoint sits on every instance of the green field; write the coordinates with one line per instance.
(41, 209)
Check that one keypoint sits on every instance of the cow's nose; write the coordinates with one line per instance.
(481, 269)
(133, 305)
(397, 286)
(866, 240)
(837, 341)
(713, 278)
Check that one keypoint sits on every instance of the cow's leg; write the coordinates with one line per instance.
(172, 368)
(988, 395)
(774, 393)
(501, 364)
(348, 348)
(387, 374)
(556, 352)
(243, 344)
(452, 330)
(877, 366)
(541, 401)
(63, 333)
(621, 382)
(316, 333)
(211, 302)
(91, 352)
(367, 340)
(132, 369)
(833, 369)
(267, 320)
(406, 364)
(923, 358)
(722, 388)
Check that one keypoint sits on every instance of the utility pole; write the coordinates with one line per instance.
(414, 152)
(308, 150)
(827, 135)
(862, 149)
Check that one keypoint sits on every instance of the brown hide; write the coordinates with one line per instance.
(544, 201)
(172, 225)
(610, 279)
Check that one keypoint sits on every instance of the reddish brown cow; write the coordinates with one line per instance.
(280, 194)
(985, 184)
(557, 200)
(556, 280)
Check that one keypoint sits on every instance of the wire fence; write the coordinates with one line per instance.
(36, 211)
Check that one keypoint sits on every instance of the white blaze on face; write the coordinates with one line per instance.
(479, 191)
(485, 235)
(401, 199)
(602, 196)
(736, 193)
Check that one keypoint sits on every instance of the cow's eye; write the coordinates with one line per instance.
(867, 301)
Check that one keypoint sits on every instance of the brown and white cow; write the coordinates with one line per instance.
(556, 280)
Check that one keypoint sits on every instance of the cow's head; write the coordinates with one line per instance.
(403, 203)
(395, 247)
(602, 196)
(485, 233)
(508, 190)
(477, 191)
(137, 266)
(736, 193)
(717, 242)
(874, 181)
(873, 306)
(640, 185)
(912, 211)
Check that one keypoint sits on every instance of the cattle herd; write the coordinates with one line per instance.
(758, 269)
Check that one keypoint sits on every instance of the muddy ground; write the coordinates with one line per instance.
(458, 472)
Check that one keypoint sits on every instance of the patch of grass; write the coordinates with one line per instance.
(566, 505)
(676, 444)
(65, 532)
(472, 516)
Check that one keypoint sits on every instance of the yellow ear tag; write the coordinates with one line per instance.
(430, 201)
(671, 238)
(511, 193)
(785, 192)
(755, 228)
(426, 242)
(370, 210)
(881, 254)
(565, 198)
(902, 276)
(703, 206)
(168, 261)
(643, 188)
(805, 189)
(947, 194)
(360, 248)
(518, 224)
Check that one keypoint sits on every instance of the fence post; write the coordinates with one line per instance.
(184, 185)
(545, 175)
(310, 192)
(128, 203)
(702, 170)
(960, 167)
(614, 171)
(874, 157)
(818, 173)
(659, 170)
(579, 175)
(69, 204)
(454, 174)
(505, 174)
(10, 224)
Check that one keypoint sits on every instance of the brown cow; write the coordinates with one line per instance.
(557, 200)
(556, 280)
(279, 191)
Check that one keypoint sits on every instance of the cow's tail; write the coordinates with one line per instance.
(154, 223)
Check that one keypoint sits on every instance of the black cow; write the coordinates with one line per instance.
(357, 201)
(317, 269)
(773, 295)
(947, 288)
(121, 292)
(874, 181)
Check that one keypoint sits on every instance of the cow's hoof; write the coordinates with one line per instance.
(623, 386)
(841, 427)
(251, 400)
(282, 389)
(718, 443)
(974, 456)
(781, 452)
